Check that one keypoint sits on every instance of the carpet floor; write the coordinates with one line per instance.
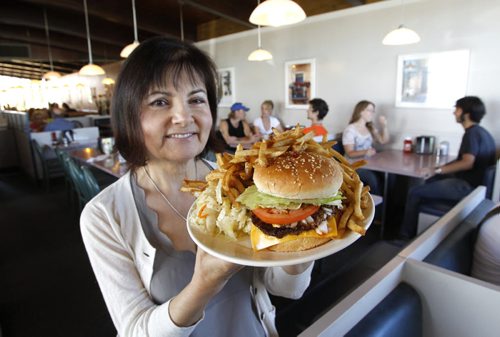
(47, 285)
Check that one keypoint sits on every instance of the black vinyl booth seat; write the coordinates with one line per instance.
(398, 314)
(455, 252)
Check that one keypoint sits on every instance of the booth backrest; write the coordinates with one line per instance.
(455, 251)
(82, 135)
(398, 314)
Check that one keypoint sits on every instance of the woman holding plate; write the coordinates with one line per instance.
(153, 279)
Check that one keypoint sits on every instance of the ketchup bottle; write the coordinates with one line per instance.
(54, 139)
(407, 145)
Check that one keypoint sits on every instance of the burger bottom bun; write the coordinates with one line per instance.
(299, 244)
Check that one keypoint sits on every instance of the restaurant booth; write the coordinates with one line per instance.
(425, 290)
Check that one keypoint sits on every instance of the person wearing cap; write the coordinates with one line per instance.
(235, 129)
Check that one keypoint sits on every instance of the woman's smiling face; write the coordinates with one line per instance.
(176, 120)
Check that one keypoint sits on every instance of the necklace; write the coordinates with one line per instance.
(163, 195)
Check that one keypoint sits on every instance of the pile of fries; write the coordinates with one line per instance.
(235, 173)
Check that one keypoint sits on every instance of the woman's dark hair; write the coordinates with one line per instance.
(473, 106)
(318, 105)
(154, 63)
(356, 114)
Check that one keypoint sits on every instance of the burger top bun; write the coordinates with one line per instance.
(299, 175)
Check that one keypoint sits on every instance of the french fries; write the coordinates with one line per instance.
(235, 174)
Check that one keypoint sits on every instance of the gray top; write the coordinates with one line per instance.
(230, 313)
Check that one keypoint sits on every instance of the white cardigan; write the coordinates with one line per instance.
(122, 259)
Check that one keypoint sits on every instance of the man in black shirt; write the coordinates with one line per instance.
(458, 178)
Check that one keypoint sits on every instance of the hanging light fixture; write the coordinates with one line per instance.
(277, 13)
(259, 54)
(50, 75)
(181, 19)
(401, 35)
(90, 69)
(108, 81)
(128, 49)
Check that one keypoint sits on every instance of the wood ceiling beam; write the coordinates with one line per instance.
(102, 15)
(218, 13)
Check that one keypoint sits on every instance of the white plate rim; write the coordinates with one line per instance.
(280, 259)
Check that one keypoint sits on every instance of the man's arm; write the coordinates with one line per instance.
(464, 164)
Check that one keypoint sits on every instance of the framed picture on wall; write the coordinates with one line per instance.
(226, 87)
(433, 80)
(300, 83)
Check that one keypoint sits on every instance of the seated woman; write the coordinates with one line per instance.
(315, 113)
(358, 138)
(263, 126)
(37, 123)
(235, 129)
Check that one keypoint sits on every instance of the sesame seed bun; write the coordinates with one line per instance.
(299, 175)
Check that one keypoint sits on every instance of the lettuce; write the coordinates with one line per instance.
(252, 199)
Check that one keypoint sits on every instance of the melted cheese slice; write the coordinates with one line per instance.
(261, 241)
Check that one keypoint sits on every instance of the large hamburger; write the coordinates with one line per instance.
(294, 201)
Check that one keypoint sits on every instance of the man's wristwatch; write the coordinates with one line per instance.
(438, 170)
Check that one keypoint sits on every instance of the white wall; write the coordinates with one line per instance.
(352, 64)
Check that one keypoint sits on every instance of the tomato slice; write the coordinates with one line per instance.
(284, 216)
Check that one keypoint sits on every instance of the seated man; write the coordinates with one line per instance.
(58, 123)
(458, 178)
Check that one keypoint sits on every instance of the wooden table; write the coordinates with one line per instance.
(93, 157)
(405, 164)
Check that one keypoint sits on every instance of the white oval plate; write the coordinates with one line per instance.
(240, 251)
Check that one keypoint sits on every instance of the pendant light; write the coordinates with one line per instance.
(90, 69)
(50, 75)
(259, 54)
(277, 13)
(130, 48)
(181, 19)
(401, 35)
(108, 81)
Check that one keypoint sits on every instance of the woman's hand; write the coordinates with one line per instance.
(211, 272)
(382, 121)
(210, 276)
(370, 152)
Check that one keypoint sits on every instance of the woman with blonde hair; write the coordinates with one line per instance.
(264, 125)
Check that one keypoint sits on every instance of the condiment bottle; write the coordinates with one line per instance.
(407, 145)
(54, 139)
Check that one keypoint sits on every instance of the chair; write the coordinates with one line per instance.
(339, 147)
(50, 167)
(91, 186)
(433, 209)
(77, 181)
(68, 183)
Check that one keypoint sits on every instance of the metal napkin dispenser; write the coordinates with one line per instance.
(425, 144)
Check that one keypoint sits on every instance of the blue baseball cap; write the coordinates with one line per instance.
(239, 106)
